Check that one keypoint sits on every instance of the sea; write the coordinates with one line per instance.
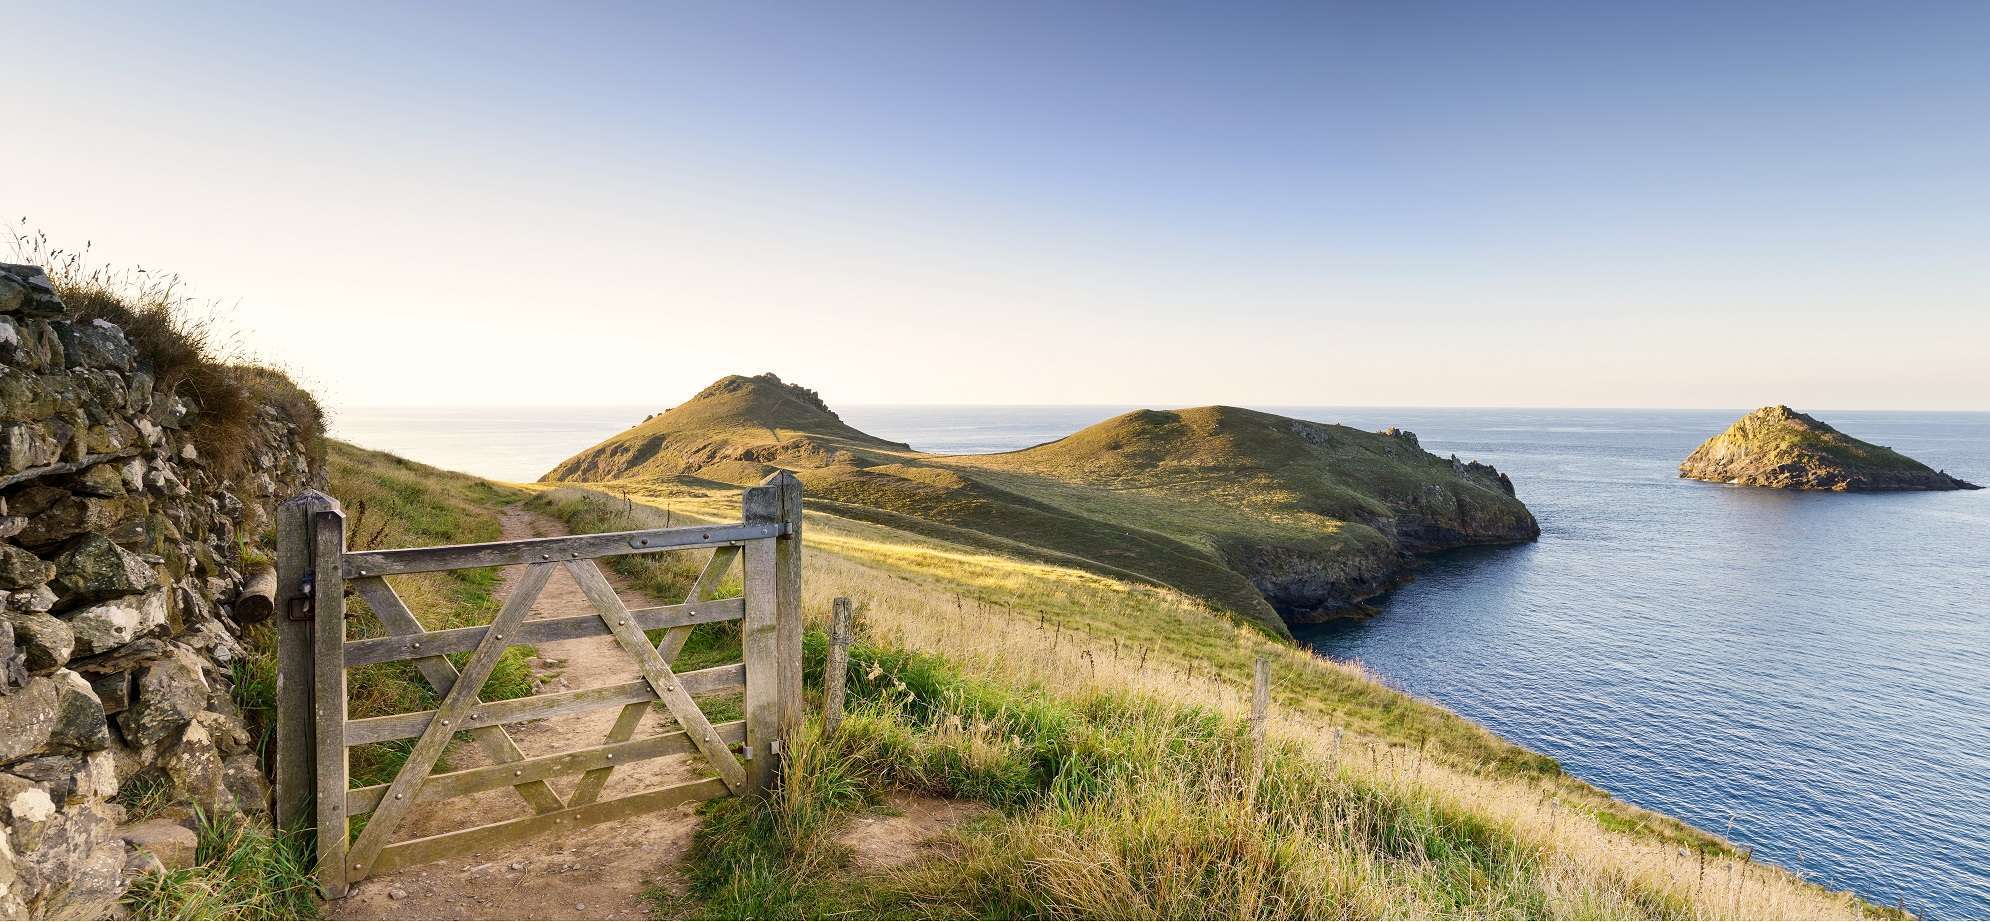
(1805, 674)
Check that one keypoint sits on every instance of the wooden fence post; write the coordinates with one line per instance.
(310, 678)
(771, 633)
(788, 600)
(1260, 710)
(328, 695)
(834, 672)
(759, 640)
(296, 736)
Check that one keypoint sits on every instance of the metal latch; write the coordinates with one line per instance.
(299, 607)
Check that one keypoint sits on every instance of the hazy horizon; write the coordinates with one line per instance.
(1152, 405)
(1680, 205)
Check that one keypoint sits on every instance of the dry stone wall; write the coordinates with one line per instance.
(122, 550)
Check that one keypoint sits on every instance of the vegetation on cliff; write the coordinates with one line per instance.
(1779, 447)
(1271, 519)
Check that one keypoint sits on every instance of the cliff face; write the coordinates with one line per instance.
(1318, 517)
(1779, 447)
(122, 549)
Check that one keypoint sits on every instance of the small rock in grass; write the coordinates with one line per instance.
(173, 844)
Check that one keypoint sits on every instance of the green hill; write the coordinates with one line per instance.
(728, 432)
(1273, 519)
(1779, 447)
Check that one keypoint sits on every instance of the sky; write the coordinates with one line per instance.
(1390, 203)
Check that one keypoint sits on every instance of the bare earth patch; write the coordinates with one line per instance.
(914, 829)
(596, 872)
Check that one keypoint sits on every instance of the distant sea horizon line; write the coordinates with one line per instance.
(1157, 405)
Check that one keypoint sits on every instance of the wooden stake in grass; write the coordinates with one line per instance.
(1260, 709)
(839, 664)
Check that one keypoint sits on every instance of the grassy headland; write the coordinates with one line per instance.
(1044, 631)
(1264, 517)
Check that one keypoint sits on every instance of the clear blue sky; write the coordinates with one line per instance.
(1664, 204)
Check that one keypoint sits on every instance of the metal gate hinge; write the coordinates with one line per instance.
(299, 607)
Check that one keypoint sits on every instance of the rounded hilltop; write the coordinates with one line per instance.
(1782, 448)
(738, 430)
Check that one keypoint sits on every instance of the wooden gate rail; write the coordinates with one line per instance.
(314, 734)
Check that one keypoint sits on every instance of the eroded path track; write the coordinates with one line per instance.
(598, 872)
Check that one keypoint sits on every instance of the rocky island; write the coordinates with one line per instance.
(1779, 447)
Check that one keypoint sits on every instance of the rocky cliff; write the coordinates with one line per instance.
(132, 499)
(1779, 447)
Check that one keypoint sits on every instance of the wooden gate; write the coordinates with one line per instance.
(315, 572)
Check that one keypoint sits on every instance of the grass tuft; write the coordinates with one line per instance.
(241, 870)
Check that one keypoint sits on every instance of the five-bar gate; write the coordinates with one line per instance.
(315, 572)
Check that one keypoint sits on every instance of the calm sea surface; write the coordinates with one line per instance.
(1809, 674)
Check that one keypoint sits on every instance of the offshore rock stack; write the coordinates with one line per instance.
(122, 552)
(1778, 447)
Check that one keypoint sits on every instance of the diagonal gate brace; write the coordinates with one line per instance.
(441, 675)
(668, 647)
(656, 672)
(461, 699)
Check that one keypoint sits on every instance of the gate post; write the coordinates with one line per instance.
(310, 681)
(788, 599)
(771, 634)
(295, 730)
(328, 695)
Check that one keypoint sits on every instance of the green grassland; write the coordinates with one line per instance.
(1099, 721)
(1264, 517)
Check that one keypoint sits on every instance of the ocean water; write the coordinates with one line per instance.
(1807, 674)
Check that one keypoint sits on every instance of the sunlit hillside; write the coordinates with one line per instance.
(1377, 803)
(1270, 519)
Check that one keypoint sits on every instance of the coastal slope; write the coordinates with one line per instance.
(1782, 448)
(1273, 519)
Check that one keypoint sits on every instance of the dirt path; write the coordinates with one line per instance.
(598, 872)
